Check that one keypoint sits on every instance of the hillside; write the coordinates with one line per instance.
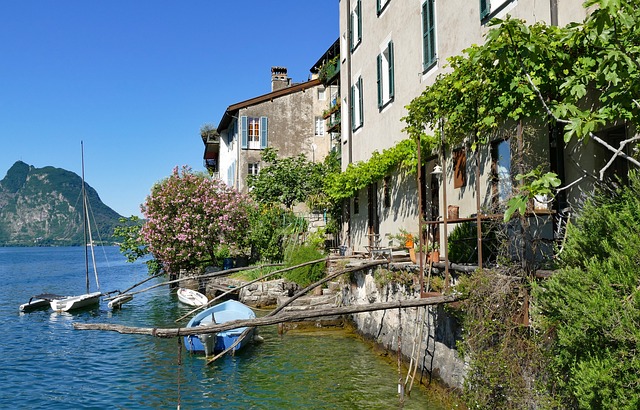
(43, 207)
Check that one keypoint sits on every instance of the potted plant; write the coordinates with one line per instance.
(434, 252)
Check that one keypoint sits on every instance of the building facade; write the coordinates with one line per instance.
(390, 51)
(288, 119)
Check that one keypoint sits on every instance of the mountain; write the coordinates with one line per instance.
(43, 207)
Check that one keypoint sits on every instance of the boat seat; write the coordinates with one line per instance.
(226, 316)
(208, 320)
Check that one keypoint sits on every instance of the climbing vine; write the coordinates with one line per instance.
(359, 175)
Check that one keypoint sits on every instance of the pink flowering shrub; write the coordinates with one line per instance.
(190, 217)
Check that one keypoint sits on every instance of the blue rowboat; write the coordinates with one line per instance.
(212, 343)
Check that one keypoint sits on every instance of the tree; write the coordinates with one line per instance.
(132, 244)
(190, 218)
(285, 180)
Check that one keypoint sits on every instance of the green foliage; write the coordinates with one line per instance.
(592, 305)
(360, 175)
(384, 277)
(253, 274)
(285, 180)
(328, 70)
(269, 225)
(132, 245)
(535, 182)
(463, 243)
(506, 360)
(309, 274)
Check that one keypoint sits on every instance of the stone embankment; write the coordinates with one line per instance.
(428, 334)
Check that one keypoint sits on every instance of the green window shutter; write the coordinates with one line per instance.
(391, 79)
(244, 124)
(485, 8)
(360, 100)
(428, 34)
(263, 132)
(352, 108)
(379, 81)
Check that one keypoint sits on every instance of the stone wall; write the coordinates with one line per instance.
(259, 294)
(439, 335)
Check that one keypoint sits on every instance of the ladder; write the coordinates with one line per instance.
(430, 348)
(415, 351)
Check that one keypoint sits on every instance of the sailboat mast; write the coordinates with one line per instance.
(84, 221)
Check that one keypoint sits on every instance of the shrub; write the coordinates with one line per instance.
(309, 274)
(463, 242)
(592, 305)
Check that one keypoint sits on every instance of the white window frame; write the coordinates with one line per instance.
(357, 105)
(319, 129)
(385, 74)
(253, 138)
(355, 26)
(253, 168)
(322, 94)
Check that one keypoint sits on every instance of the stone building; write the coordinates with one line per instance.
(288, 119)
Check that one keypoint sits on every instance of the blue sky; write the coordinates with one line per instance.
(136, 79)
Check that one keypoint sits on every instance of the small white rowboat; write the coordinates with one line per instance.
(191, 297)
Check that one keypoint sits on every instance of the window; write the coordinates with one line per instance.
(428, 35)
(319, 126)
(254, 168)
(355, 26)
(321, 94)
(381, 5)
(385, 76)
(501, 161)
(386, 194)
(357, 117)
(254, 132)
(459, 168)
(231, 174)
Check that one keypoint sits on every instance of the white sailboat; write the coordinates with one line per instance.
(66, 303)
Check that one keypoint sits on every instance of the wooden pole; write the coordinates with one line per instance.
(266, 320)
(478, 217)
(445, 211)
(209, 303)
(420, 233)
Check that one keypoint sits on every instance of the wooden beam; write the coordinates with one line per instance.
(266, 321)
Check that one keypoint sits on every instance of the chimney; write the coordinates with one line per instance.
(279, 78)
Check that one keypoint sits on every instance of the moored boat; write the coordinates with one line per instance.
(37, 302)
(191, 297)
(211, 343)
(67, 303)
(119, 300)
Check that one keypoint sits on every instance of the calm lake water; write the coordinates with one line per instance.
(47, 364)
